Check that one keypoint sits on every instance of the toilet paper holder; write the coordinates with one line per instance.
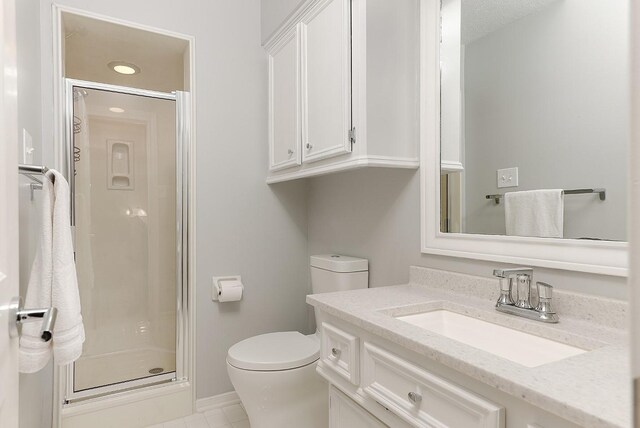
(222, 283)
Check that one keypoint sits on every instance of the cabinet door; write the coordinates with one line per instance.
(345, 413)
(326, 80)
(421, 398)
(284, 102)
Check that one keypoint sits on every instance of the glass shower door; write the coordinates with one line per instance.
(126, 207)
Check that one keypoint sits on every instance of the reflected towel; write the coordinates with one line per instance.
(53, 283)
(538, 213)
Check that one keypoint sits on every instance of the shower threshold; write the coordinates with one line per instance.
(118, 371)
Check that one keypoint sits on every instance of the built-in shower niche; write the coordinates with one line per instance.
(120, 165)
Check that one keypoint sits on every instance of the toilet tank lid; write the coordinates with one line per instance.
(339, 263)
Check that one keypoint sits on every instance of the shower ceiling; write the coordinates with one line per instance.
(91, 45)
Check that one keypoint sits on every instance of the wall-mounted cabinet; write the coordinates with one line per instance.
(343, 88)
(284, 102)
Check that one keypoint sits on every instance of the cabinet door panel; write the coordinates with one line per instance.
(339, 352)
(421, 398)
(326, 79)
(284, 103)
(345, 413)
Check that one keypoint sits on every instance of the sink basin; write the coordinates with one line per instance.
(522, 348)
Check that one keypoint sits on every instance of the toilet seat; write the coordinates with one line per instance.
(274, 351)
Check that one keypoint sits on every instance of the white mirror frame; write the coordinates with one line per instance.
(599, 257)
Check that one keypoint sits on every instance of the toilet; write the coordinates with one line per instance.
(274, 374)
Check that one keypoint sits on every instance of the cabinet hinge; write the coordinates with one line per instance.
(352, 135)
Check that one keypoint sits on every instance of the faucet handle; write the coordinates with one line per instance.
(505, 292)
(545, 294)
(505, 284)
(545, 291)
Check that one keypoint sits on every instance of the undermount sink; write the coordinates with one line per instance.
(522, 348)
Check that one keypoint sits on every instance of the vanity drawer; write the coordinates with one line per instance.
(340, 351)
(421, 398)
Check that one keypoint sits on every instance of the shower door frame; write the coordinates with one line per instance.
(183, 140)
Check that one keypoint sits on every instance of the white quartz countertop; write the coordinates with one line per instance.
(592, 389)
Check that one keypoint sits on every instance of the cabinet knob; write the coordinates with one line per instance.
(290, 152)
(309, 146)
(414, 397)
(335, 352)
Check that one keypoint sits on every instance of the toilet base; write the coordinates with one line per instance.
(284, 398)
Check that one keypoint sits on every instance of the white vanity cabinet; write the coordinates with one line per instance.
(345, 413)
(377, 383)
(421, 398)
(343, 88)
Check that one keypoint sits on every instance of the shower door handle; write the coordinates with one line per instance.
(19, 316)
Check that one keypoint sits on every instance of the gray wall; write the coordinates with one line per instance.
(375, 213)
(549, 94)
(35, 389)
(273, 13)
(243, 226)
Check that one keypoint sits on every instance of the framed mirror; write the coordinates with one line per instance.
(525, 131)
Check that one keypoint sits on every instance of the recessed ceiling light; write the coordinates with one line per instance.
(116, 109)
(124, 67)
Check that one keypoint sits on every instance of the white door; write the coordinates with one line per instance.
(284, 103)
(634, 182)
(346, 413)
(8, 215)
(326, 80)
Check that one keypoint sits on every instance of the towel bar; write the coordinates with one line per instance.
(602, 193)
(30, 171)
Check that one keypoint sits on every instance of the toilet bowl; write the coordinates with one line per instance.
(275, 377)
(274, 374)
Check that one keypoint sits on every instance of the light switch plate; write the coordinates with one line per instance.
(508, 177)
(27, 147)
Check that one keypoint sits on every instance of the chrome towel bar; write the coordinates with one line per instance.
(602, 193)
(31, 171)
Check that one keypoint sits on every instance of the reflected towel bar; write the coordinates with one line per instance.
(601, 192)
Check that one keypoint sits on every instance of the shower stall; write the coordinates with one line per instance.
(127, 152)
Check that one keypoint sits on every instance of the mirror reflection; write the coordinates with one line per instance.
(534, 118)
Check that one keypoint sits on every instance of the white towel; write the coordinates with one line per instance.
(537, 213)
(53, 283)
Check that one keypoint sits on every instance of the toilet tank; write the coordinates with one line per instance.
(332, 272)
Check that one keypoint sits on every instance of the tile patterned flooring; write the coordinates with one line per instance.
(228, 417)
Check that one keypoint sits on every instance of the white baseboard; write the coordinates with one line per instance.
(217, 401)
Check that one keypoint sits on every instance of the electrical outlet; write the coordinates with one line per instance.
(508, 177)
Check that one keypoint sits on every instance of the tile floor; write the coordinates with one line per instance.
(228, 417)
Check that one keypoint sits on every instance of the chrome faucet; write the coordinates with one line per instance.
(522, 305)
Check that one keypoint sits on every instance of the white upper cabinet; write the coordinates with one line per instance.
(343, 88)
(326, 80)
(284, 102)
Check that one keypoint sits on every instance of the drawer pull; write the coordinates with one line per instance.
(309, 146)
(414, 397)
(289, 152)
(335, 352)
